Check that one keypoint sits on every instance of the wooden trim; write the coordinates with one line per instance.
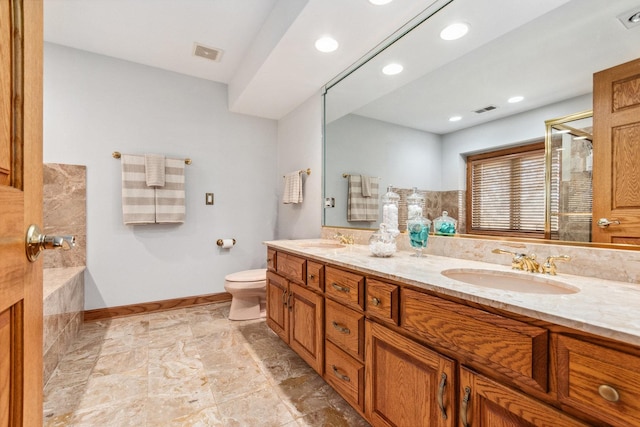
(151, 307)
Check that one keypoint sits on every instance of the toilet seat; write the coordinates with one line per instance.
(257, 275)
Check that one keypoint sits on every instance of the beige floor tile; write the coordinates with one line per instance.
(188, 367)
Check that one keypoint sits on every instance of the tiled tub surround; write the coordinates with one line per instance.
(63, 303)
(65, 212)
(605, 308)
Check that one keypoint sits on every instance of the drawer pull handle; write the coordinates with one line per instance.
(339, 375)
(340, 328)
(311, 277)
(284, 297)
(609, 393)
(464, 406)
(443, 383)
(340, 288)
(289, 301)
(375, 301)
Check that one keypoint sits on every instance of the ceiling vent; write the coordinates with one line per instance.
(485, 109)
(210, 53)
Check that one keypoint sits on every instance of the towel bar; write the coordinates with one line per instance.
(117, 155)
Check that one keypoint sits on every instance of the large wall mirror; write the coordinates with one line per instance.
(458, 98)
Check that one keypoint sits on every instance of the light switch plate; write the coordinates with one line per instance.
(209, 198)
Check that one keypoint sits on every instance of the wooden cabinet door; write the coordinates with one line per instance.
(486, 403)
(407, 384)
(307, 325)
(277, 305)
(20, 205)
(616, 151)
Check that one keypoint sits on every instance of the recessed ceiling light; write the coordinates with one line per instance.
(454, 31)
(515, 99)
(380, 2)
(634, 19)
(326, 44)
(392, 69)
(455, 118)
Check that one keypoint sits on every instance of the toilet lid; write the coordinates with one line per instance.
(247, 275)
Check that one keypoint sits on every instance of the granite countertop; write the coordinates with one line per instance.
(601, 307)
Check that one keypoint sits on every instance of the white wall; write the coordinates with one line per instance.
(300, 147)
(94, 105)
(524, 127)
(398, 155)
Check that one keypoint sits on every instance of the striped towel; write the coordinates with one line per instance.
(359, 207)
(138, 200)
(154, 170)
(170, 199)
(292, 188)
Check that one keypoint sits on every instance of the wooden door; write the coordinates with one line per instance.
(486, 403)
(277, 305)
(406, 384)
(20, 206)
(616, 153)
(307, 326)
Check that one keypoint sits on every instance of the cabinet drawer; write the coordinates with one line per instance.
(292, 267)
(512, 348)
(345, 287)
(345, 328)
(315, 276)
(271, 259)
(599, 381)
(382, 300)
(344, 374)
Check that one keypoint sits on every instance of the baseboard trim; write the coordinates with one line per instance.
(150, 307)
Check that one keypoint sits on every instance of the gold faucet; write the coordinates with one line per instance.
(344, 239)
(549, 265)
(522, 261)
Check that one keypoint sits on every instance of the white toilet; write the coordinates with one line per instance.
(248, 291)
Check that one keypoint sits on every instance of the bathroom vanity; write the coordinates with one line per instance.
(408, 346)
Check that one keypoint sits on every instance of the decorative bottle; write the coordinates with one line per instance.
(414, 204)
(417, 226)
(390, 211)
(382, 243)
(444, 225)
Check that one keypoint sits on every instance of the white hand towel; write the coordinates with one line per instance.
(154, 165)
(292, 188)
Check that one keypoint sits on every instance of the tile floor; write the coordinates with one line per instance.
(188, 367)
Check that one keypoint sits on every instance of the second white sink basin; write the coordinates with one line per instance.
(517, 282)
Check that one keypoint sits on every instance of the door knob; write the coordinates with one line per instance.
(36, 242)
(604, 222)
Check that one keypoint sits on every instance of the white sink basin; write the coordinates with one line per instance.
(517, 282)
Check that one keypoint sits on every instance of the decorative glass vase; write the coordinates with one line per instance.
(444, 225)
(390, 211)
(415, 202)
(418, 229)
(382, 243)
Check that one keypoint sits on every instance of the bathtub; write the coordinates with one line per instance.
(63, 304)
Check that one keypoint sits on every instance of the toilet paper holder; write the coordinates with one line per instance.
(220, 242)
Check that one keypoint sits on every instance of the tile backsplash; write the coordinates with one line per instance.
(608, 264)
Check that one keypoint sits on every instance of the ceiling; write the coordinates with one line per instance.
(268, 61)
(546, 51)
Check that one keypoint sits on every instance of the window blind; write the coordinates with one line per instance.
(506, 191)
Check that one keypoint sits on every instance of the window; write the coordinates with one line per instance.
(506, 192)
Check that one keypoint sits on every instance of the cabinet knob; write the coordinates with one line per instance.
(311, 277)
(375, 301)
(608, 393)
